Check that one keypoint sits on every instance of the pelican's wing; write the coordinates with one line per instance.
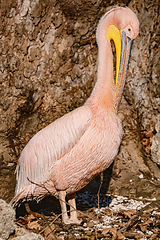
(50, 144)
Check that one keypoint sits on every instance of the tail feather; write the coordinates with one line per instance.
(27, 194)
(21, 197)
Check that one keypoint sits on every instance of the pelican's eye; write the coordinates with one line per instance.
(128, 30)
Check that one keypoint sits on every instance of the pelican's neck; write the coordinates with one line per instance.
(103, 92)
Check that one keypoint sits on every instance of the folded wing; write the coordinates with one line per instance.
(49, 145)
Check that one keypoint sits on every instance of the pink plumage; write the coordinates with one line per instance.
(67, 154)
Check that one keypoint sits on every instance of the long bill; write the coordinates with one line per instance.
(126, 45)
(123, 46)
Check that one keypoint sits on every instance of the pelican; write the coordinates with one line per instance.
(67, 154)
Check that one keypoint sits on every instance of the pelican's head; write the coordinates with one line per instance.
(122, 26)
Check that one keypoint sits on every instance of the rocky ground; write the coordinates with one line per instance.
(103, 217)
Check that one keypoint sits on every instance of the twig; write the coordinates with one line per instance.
(19, 224)
(48, 224)
(134, 218)
(98, 194)
(101, 175)
(131, 222)
(29, 211)
(51, 222)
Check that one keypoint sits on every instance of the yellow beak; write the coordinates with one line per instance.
(123, 47)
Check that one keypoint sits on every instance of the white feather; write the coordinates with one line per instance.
(49, 145)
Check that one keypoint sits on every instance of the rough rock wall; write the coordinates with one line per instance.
(48, 57)
(142, 85)
(134, 172)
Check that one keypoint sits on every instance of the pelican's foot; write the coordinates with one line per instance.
(66, 220)
(72, 221)
(75, 221)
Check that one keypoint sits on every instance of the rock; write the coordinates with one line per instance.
(7, 218)
(24, 8)
(155, 147)
(33, 53)
(8, 226)
(157, 126)
(27, 236)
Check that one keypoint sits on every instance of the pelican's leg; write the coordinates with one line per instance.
(73, 212)
(62, 200)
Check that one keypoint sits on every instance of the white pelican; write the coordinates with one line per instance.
(67, 154)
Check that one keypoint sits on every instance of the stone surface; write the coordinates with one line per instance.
(48, 59)
(155, 147)
(8, 226)
(25, 235)
(7, 218)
